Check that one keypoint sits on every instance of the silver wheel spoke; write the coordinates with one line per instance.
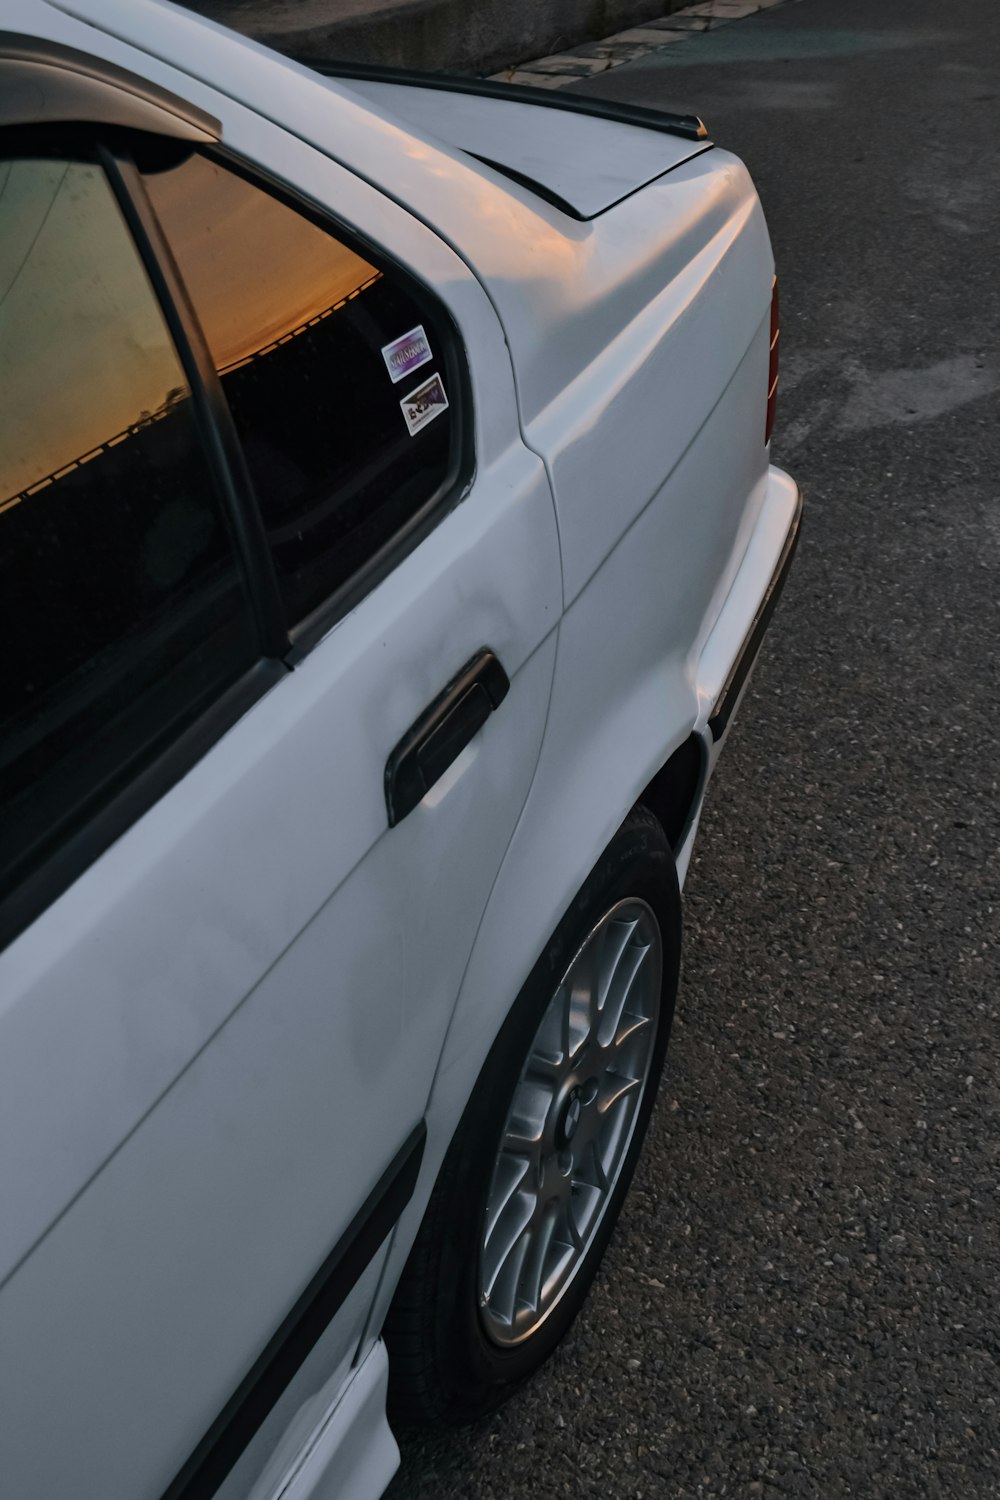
(629, 1029)
(572, 1238)
(615, 943)
(526, 1122)
(550, 1053)
(561, 1260)
(509, 1243)
(503, 1293)
(533, 1271)
(630, 961)
(586, 1013)
(575, 1018)
(614, 1091)
(587, 1200)
(508, 1177)
(596, 1175)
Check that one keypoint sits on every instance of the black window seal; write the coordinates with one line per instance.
(218, 431)
(256, 1396)
(313, 627)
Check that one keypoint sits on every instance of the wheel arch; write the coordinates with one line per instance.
(636, 867)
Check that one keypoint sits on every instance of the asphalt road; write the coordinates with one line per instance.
(803, 1296)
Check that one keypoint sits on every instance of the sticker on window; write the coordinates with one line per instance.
(406, 354)
(424, 404)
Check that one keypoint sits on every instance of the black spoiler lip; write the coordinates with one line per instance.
(688, 126)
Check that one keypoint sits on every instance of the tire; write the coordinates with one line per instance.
(529, 1191)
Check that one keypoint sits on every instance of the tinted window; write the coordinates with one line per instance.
(121, 606)
(333, 372)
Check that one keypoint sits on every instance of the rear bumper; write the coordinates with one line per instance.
(732, 688)
(729, 653)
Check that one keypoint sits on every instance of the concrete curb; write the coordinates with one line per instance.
(654, 39)
(437, 34)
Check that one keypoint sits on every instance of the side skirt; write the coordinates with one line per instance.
(294, 1340)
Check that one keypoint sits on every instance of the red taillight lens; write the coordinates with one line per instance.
(772, 368)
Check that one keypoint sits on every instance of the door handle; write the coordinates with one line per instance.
(442, 732)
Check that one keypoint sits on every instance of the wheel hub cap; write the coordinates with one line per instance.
(571, 1117)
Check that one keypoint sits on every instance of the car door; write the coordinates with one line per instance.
(281, 588)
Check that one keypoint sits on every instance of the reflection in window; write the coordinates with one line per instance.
(121, 609)
(296, 322)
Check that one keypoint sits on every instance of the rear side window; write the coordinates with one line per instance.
(334, 372)
(122, 608)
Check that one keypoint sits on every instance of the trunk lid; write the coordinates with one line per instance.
(582, 163)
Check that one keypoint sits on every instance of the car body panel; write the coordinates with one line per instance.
(661, 339)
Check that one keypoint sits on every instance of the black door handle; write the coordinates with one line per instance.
(442, 732)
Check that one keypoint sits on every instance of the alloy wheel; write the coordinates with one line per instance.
(570, 1123)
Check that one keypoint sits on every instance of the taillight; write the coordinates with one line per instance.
(772, 368)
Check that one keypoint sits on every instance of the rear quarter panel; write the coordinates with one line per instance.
(623, 367)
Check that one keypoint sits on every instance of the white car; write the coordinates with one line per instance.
(386, 534)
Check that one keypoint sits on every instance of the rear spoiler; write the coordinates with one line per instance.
(688, 126)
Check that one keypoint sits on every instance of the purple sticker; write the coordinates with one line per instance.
(406, 354)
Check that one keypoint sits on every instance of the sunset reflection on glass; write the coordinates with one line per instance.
(77, 325)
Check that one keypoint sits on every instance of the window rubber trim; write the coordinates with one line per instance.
(215, 421)
(285, 1353)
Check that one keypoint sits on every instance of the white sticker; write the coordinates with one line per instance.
(406, 354)
(424, 404)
